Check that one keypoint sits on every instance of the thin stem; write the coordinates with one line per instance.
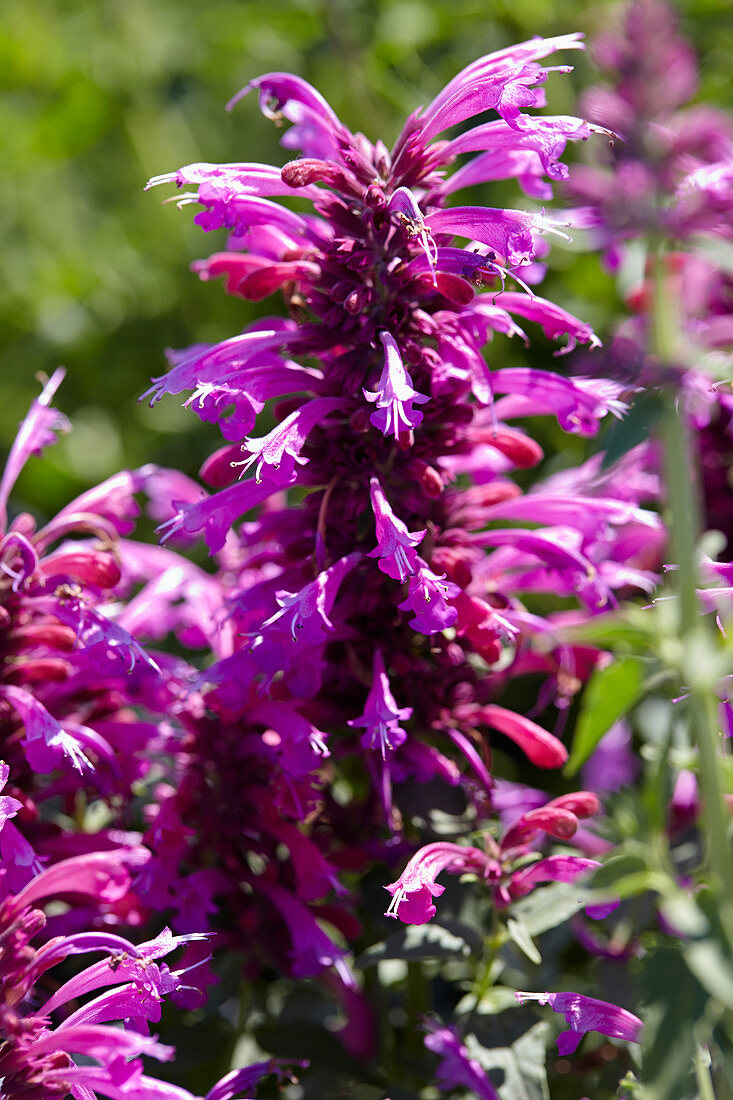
(696, 641)
(705, 1089)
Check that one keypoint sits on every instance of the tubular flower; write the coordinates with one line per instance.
(381, 713)
(456, 1067)
(583, 1014)
(414, 890)
(396, 432)
(71, 670)
(82, 1055)
(510, 867)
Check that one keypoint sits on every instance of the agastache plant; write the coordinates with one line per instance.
(379, 580)
(399, 413)
(375, 607)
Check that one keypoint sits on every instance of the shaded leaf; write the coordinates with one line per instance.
(496, 999)
(517, 1069)
(548, 906)
(624, 877)
(447, 940)
(707, 950)
(674, 1003)
(633, 429)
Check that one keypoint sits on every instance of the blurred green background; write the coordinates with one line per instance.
(99, 96)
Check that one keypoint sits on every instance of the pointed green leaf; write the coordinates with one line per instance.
(611, 693)
(633, 428)
(520, 935)
(548, 906)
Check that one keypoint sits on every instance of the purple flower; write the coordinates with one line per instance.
(381, 714)
(584, 1014)
(427, 599)
(312, 950)
(8, 806)
(38, 430)
(43, 731)
(413, 892)
(282, 446)
(395, 544)
(456, 1068)
(394, 393)
(304, 614)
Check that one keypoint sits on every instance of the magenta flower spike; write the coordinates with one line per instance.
(583, 1014)
(82, 1055)
(389, 428)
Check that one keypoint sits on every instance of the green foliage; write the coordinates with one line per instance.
(633, 428)
(513, 1053)
(548, 906)
(611, 693)
(436, 940)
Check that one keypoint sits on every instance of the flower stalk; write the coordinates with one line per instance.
(698, 663)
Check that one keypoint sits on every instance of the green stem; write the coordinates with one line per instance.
(705, 1089)
(417, 1004)
(696, 641)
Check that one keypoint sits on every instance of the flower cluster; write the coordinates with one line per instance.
(380, 559)
(378, 579)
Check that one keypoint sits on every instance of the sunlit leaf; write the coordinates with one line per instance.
(611, 693)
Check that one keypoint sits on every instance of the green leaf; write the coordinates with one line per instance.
(611, 693)
(447, 940)
(300, 1039)
(519, 933)
(633, 429)
(707, 949)
(521, 1060)
(614, 629)
(496, 999)
(674, 1003)
(548, 906)
(625, 877)
(712, 966)
(617, 868)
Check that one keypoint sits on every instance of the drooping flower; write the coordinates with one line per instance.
(414, 890)
(395, 544)
(381, 716)
(583, 1014)
(456, 1068)
(394, 393)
